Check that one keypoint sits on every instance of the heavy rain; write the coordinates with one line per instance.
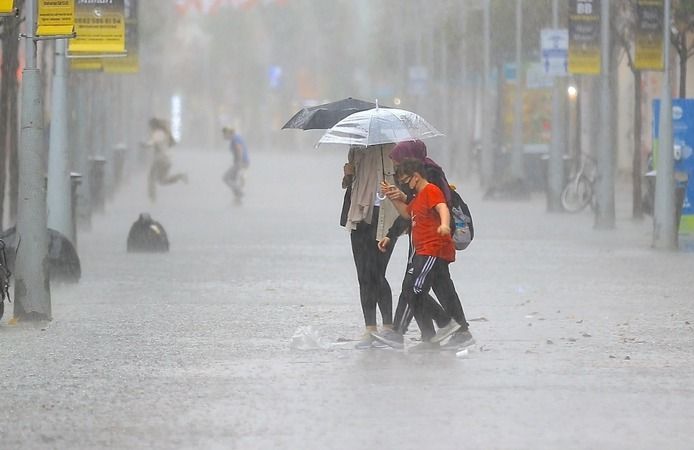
(346, 224)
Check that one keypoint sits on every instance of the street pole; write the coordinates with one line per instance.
(445, 105)
(485, 122)
(664, 224)
(59, 196)
(31, 290)
(605, 212)
(517, 155)
(463, 151)
(555, 169)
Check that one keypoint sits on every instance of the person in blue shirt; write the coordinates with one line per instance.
(235, 177)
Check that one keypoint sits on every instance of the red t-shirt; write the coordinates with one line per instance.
(425, 222)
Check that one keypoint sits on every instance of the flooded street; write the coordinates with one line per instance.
(583, 336)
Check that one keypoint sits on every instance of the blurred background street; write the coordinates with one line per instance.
(583, 337)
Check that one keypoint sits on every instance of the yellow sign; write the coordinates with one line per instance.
(86, 64)
(100, 28)
(131, 62)
(648, 54)
(7, 7)
(127, 64)
(584, 37)
(56, 18)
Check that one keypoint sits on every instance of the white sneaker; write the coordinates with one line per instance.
(446, 331)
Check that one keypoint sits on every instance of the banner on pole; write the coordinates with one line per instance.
(683, 150)
(131, 62)
(648, 54)
(56, 18)
(100, 27)
(7, 7)
(584, 37)
(86, 64)
(554, 45)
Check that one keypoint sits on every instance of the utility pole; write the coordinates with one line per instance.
(605, 213)
(517, 155)
(487, 155)
(59, 195)
(664, 224)
(31, 290)
(555, 169)
(445, 91)
(462, 158)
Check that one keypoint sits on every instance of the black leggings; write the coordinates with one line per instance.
(371, 266)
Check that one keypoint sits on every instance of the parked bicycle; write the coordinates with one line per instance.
(579, 191)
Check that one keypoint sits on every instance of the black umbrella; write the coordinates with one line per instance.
(322, 117)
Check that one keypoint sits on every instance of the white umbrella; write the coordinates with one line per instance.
(379, 126)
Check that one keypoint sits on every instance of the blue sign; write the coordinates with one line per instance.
(683, 145)
(554, 48)
(274, 74)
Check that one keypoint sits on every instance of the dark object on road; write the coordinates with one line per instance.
(5, 275)
(63, 262)
(147, 235)
(322, 117)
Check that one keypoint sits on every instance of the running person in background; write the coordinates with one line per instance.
(161, 140)
(235, 177)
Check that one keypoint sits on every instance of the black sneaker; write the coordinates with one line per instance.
(459, 340)
(390, 337)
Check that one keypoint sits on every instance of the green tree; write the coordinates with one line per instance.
(624, 30)
(680, 35)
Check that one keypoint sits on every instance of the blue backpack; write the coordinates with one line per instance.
(464, 230)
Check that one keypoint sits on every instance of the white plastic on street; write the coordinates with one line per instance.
(307, 338)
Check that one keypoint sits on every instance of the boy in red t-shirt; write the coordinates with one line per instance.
(433, 249)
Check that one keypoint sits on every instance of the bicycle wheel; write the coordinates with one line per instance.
(576, 195)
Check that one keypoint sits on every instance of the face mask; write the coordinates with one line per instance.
(406, 189)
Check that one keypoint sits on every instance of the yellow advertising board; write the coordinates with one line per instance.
(584, 37)
(130, 63)
(7, 7)
(648, 53)
(100, 27)
(56, 18)
(86, 64)
(127, 64)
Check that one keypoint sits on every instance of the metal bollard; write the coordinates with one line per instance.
(119, 152)
(75, 181)
(97, 191)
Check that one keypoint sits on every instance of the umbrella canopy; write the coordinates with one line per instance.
(379, 126)
(322, 117)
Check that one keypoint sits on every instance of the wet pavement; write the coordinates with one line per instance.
(584, 337)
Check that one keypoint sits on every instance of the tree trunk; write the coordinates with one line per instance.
(8, 97)
(637, 209)
(14, 148)
(4, 106)
(13, 117)
(683, 65)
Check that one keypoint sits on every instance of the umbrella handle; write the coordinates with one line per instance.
(380, 196)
